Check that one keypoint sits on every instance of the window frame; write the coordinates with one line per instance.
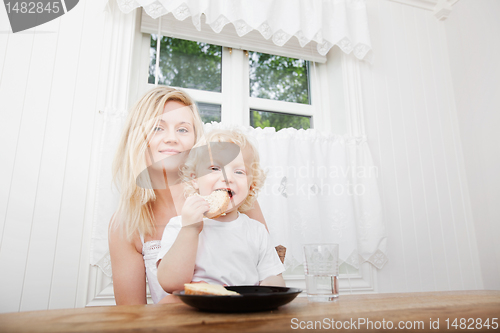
(236, 82)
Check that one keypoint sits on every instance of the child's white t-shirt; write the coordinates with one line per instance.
(235, 253)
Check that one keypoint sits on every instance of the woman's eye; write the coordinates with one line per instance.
(214, 168)
(240, 172)
(156, 129)
(183, 130)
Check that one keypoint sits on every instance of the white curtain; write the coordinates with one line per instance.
(319, 188)
(326, 22)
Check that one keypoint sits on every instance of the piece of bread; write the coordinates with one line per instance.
(218, 201)
(207, 289)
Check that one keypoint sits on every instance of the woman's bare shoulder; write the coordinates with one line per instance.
(117, 237)
(255, 213)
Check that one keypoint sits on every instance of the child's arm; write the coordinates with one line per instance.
(275, 280)
(269, 265)
(177, 266)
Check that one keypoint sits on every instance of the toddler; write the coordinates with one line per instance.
(232, 249)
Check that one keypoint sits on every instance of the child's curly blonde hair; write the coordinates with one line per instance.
(257, 175)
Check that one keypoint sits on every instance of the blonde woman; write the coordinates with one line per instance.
(162, 125)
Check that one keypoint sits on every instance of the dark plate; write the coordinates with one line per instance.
(251, 299)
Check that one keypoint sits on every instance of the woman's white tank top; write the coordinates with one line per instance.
(150, 252)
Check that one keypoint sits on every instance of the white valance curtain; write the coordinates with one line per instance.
(319, 188)
(324, 22)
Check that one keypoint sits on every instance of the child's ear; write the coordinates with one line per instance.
(251, 188)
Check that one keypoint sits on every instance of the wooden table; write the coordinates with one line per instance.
(418, 310)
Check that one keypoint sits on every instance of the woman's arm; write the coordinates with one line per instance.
(129, 273)
(256, 214)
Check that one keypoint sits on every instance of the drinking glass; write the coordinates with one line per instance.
(322, 272)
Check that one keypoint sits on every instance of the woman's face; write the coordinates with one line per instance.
(173, 134)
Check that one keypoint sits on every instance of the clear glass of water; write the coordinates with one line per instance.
(322, 272)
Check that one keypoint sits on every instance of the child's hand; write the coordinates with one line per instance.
(273, 280)
(192, 212)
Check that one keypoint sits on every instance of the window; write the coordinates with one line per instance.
(186, 64)
(283, 79)
(236, 86)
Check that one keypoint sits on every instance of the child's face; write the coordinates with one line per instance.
(173, 134)
(238, 175)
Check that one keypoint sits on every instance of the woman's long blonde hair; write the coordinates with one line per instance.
(134, 211)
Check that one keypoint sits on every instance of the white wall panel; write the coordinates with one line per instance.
(17, 193)
(4, 39)
(473, 47)
(48, 95)
(410, 123)
(84, 110)
(440, 178)
(457, 222)
(31, 146)
(13, 88)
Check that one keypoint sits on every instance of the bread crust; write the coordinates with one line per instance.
(219, 201)
(207, 289)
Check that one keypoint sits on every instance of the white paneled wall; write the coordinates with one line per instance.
(412, 129)
(48, 93)
(473, 41)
